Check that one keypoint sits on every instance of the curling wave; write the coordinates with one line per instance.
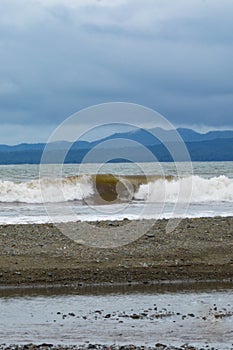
(111, 188)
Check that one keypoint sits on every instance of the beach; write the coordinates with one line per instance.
(198, 255)
(199, 249)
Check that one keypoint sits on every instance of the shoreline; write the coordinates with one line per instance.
(199, 249)
(12, 290)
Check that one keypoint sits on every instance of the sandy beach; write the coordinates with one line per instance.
(198, 249)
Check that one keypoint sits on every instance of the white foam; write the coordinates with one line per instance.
(39, 191)
(192, 189)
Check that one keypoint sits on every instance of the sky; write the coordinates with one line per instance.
(60, 56)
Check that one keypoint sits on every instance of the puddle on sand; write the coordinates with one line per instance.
(170, 314)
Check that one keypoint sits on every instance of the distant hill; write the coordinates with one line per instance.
(211, 146)
(188, 135)
(153, 136)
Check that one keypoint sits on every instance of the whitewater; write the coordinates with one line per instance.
(114, 191)
(215, 189)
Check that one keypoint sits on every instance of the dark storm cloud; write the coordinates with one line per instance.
(60, 56)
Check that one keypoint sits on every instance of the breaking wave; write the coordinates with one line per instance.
(112, 188)
(58, 190)
(193, 189)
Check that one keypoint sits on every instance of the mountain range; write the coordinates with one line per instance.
(210, 146)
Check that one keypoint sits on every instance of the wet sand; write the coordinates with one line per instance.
(39, 254)
(143, 315)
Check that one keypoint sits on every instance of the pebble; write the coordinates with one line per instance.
(87, 346)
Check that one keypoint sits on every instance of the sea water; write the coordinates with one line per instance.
(114, 191)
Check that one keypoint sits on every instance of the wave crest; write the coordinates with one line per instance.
(123, 188)
(215, 189)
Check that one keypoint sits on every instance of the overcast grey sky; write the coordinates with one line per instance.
(59, 56)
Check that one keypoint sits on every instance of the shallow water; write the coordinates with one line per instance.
(171, 314)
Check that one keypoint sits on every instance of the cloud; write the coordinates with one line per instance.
(58, 56)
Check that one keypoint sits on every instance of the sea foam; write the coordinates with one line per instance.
(46, 190)
(193, 189)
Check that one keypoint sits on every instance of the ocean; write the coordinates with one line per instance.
(90, 192)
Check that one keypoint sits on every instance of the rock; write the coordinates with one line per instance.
(48, 345)
(135, 316)
(28, 346)
(160, 346)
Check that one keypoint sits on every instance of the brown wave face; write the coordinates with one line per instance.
(113, 188)
(117, 188)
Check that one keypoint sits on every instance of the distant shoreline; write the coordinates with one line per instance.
(184, 144)
(121, 161)
(199, 249)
